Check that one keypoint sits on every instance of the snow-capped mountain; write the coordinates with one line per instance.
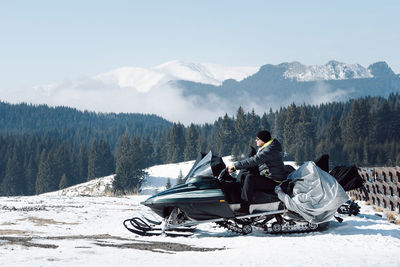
(144, 79)
(274, 86)
(202, 92)
(333, 70)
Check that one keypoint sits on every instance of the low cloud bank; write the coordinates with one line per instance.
(163, 99)
(95, 95)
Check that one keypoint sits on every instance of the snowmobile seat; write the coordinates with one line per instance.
(260, 207)
(262, 201)
(264, 197)
(233, 191)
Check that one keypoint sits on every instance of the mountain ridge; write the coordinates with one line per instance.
(200, 92)
(271, 87)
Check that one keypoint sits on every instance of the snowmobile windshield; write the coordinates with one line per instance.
(203, 169)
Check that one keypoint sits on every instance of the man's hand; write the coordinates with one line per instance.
(231, 169)
(277, 189)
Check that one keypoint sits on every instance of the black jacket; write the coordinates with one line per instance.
(269, 161)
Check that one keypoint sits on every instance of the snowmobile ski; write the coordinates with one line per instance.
(138, 226)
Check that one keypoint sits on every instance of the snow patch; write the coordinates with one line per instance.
(145, 79)
(75, 231)
(96, 187)
(333, 70)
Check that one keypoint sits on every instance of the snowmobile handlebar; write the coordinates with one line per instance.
(224, 176)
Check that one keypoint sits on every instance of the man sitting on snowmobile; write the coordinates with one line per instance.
(271, 171)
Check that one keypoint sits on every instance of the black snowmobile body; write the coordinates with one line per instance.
(210, 194)
(202, 200)
(204, 195)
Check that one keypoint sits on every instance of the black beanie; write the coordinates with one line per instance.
(265, 136)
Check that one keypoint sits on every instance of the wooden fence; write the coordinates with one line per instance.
(383, 187)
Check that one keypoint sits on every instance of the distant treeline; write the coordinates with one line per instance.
(77, 127)
(43, 149)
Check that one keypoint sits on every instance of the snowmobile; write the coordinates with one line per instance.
(211, 195)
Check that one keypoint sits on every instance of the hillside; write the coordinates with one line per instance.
(75, 126)
(22, 118)
(156, 181)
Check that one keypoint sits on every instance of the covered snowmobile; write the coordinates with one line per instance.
(349, 178)
(315, 196)
(210, 194)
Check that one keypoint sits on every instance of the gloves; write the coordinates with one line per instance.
(277, 189)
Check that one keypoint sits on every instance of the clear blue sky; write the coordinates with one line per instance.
(43, 42)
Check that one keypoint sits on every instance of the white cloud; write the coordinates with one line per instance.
(139, 90)
(95, 95)
(323, 93)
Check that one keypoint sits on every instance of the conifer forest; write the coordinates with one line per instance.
(44, 149)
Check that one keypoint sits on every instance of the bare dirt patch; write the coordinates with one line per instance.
(45, 222)
(24, 241)
(8, 223)
(161, 247)
(107, 241)
(13, 232)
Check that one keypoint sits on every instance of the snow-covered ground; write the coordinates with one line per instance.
(65, 230)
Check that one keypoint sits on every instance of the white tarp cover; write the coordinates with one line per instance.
(317, 196)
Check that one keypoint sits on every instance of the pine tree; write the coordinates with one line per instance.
(365, 153)
(63, 182)
(398, 159)
(176, 143)
(100, 160)
(168, 184)
(30, 176)
(264, 123)
(147, 149)
(192, 137)
(73, 163)
(45, 181)
(180, 178)
(253, 122)
(357, 124)
(82, 162)
(129, 166)
(225, 137)
(380, 128)
(304, 137)
(289, 132)
(14, 181)
(124, 161)
(279, 126)
(59, 163)
(333, 142)
(236, 152)
(241, 131)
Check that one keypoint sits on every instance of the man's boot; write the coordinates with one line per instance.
(244, 209)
